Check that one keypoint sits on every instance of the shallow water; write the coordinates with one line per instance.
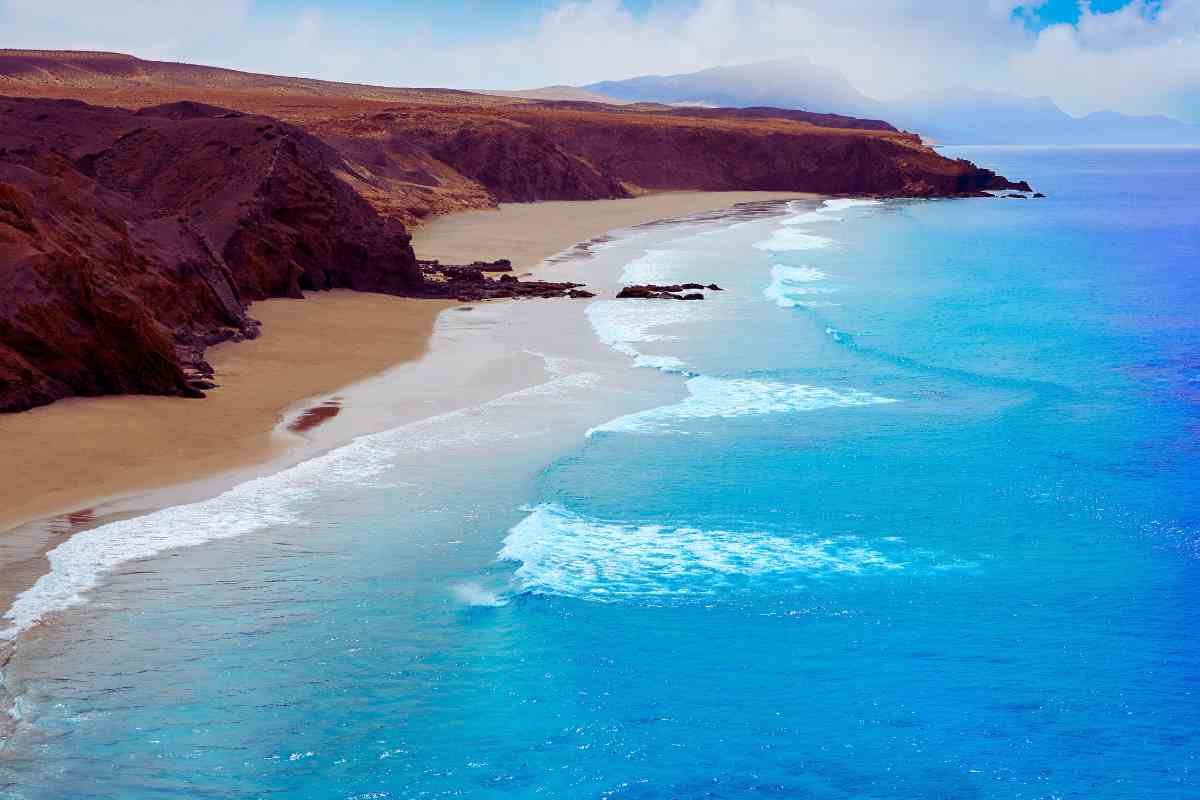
(909, 510)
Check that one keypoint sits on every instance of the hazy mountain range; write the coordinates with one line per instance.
(953, 116)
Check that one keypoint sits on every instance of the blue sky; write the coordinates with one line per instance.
(1137, 56)
(1056, 12)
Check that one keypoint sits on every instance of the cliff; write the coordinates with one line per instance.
(135, 231)
(130, 241)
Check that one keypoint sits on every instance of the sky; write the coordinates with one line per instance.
(1134, 56)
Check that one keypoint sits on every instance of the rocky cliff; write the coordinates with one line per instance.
(130, 241)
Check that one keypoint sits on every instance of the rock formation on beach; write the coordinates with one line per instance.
(144, 205)
(653, 291)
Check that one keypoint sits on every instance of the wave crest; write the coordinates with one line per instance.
(570, 555)
(728, 398)
(792, 286)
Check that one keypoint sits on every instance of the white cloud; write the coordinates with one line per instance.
(152, 28)
(1143, 59)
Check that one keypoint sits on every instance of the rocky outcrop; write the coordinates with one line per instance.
(130, 242)
(469, 283)
(675, 291)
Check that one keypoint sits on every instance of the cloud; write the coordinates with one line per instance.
(1142, 58)
(152, 28)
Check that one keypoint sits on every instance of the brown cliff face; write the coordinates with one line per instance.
(131, 241)
(134, 232)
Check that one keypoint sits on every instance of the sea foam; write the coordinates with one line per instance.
(711, 397)
(789, 239)
(792, 286)
(564, 553)
(657, 265)
(623, 325)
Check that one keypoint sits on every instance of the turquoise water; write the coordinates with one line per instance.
(911, 510)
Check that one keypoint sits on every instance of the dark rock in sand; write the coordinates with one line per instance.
(651, 291)
(468, 283)
(580, 294)
(499, 265)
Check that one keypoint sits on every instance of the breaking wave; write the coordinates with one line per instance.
(710, 397)
(567, 554)
(792, 286)
(625, 324)
(788, 239)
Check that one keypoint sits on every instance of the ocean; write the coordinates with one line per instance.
(909, 509)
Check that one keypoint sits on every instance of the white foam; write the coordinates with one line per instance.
(473, 594)
(791, 286)
(827, 212)
(564, 553)
(664, 363)
(625, 324)
(729, 398)
(788, 240)
(808, 218)
(842, 203)
(659, 266)
(273, 500)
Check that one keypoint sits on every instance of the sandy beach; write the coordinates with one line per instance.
(528, 233)
(63, 457)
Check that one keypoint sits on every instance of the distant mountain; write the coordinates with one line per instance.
(968, 116)
(558, 93)
(953, 116)
(793, 83)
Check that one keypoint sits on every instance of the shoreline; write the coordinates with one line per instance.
(282, 398)
(529, 233)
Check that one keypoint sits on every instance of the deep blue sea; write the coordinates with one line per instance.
(911, 509)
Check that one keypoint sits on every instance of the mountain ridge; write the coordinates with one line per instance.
(956, 115)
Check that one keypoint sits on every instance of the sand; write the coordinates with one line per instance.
(68, 456)
(62, 461)
(527, 233)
